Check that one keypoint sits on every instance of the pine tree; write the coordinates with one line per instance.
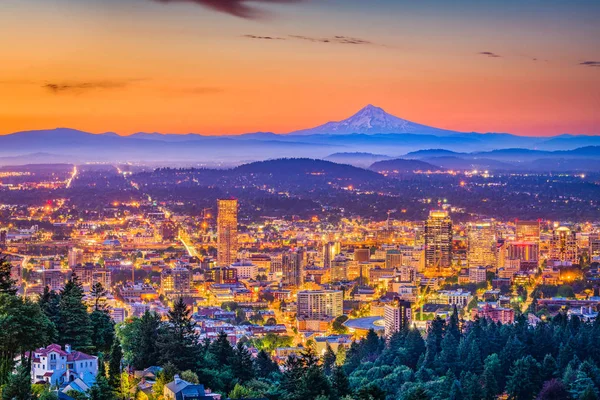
(179, 342)
(328, 360)
(340, 384)
(7, 284)
(264, 365)
(103, 331)
(114, 366)
(146, 352)
(519, 388)
(98, 295)
(221, 349)
(49, 302)
(549, 368)
(492, 372)
(241, 363)
(18, 386)
(101, 390)
(74, 325)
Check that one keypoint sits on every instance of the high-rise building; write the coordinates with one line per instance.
(438, 240)
(528, 231)
(482, 245)
(316, 304)
(227, 232)
(397, 315)
(330, 250)
(292, 264)
(563, 245)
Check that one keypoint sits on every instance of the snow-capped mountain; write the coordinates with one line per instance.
(372, 120)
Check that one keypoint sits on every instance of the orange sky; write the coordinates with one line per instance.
(136, 65)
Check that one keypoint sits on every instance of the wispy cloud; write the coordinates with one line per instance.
(332, 39)
(264, 37)
(590, 63)
(81, 87)
(239, 8)
(489, 54)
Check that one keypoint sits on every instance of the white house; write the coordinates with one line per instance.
(60, 367)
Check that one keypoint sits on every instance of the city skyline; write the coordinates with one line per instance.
(190, 66)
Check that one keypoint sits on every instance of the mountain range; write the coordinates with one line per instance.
(368, 136)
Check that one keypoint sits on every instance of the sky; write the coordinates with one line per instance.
(527, 67)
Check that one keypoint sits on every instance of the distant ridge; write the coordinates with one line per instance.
(403, 165)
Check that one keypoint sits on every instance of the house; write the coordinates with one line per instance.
(183, 390)
(59, 367)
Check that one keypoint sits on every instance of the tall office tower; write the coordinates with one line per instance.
(482, 245)
(292, 265)
(528, 231)
(438, 240)
(316, 304)
(396, 315)
(563, 245)
(227, 241)
(330, 250)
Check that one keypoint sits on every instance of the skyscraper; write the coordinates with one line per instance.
(438, 240)
(482, 244)
(563, 245)
(227, 241)
(292, 265)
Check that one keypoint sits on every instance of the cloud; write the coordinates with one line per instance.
(238, 8)
(80, 87)
(489, 54)
(590, 63)
(203, 90)
(333, 39)
(263, 37)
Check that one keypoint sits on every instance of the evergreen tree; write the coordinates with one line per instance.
(492, 372)
(114, 366)
(241, 363)
(264, 365)
(221, 349)
(340, 385)
(549, 368)
(74, 325)
(146, 352)
(98, 295)
(328, 360)
(524, 380)
(371, 392)
(178, 342)
(49, 303)
(101, 390)
(103, 331)
(7, 284)
(18, 386)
